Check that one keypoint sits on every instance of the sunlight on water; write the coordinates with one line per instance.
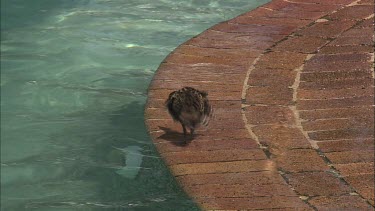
(74, 76)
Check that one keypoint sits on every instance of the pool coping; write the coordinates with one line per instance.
(292, 87)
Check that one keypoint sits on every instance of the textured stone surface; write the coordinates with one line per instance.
(292, 84)
(364, 184)
(302, 44)
(272, 202)
(300, 160)
(258, 115)
(317, 184)
(340, 203)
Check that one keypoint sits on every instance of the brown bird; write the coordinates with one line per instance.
(190, 107)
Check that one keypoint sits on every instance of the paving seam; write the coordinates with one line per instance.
(321, 154)
(252, 133)
(297, 115)
(295, 111)
(248, 127)
(313, 143)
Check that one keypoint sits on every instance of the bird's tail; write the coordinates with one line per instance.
(207, 116)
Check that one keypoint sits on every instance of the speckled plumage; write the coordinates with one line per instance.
(190, 107)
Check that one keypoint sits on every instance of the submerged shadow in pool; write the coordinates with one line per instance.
(175, 137)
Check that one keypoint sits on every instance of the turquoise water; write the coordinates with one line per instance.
(74, 76)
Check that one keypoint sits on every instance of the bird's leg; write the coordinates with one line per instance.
(184, 129)
(191, 132)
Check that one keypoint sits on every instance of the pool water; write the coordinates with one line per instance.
(74, 77)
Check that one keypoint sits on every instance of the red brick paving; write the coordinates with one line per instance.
(292, 85)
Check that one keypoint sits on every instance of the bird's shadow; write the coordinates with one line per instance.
(175, 137)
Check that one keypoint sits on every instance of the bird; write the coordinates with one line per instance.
(190, 107)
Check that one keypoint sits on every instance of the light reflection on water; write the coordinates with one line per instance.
(74, 76)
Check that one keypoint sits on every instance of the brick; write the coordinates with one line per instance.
(253, 29)
(212, 86)
(325, 203)
(364, 184)
(293, 208)
(181, 157)
(222, 167)
(257, 12)
(335, 124)
(359, 32)
(252, 203)
(276, 5)
(239, 38)
(159, 94)
(218, 53)
(291, 22)
(347, 133)
(346, 40)
(269, 95)
(346, 145)
(225, 114)
(327, 29)
(239, 190)
(366, 23)
(299, 11)
(317, 184)
(257, 115)
(301, 44)
(359, 111)
(355, 12)
(256, 178)
(346, 49)
(324, 77)
(334, 103)
(351, 156)
(325, 2)
(156, 113)
(324, 58)
(225, 95)
(226, 105)
(281, 60)
(310, 7)
(337, 66)
(319, 76)
(337, 84)
(197, 145)
(370, 2)
(297, 14)
(279, 138)
(271, 77)
(190, 59)
(240, 42)
(155, 103)
(352, 169)
(311, 94)
(218, 134)
(290, 161)
(326, 124)
(167, 68)
(224, 119)
(223, 122)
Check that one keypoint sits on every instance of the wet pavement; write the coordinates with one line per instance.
(292, 84)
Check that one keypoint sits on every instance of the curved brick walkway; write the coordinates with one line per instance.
(292, 84)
